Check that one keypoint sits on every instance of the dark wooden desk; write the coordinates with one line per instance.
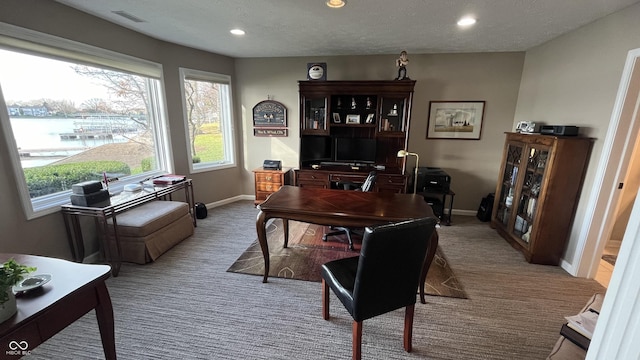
(74, 290)
(341, 208)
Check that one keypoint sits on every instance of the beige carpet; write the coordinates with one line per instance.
(306, 252)
(187, 306)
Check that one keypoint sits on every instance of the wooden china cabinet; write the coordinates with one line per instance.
(540, 180)
(348, 128)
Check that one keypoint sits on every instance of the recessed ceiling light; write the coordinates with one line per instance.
(466, 21)
(336, 3)
(237, 32)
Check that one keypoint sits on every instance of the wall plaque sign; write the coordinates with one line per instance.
(270, 132)
(269, 113)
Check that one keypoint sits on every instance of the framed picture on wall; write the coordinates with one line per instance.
(455, 120)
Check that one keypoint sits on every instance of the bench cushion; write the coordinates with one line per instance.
(149, 217)
(150, 230)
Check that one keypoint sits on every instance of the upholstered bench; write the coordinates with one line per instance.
(149, 230)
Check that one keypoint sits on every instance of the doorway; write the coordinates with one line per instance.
(619, 164)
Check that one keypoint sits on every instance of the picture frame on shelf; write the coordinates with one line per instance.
(352, 119)
(455, 120)
(369, 119)
(336, 118)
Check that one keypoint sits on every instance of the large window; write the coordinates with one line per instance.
(72, 113)
(208, 121)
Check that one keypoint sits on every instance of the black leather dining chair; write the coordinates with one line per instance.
(368, 185)
(384, 277)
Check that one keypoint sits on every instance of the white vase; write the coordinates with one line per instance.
(9, 307)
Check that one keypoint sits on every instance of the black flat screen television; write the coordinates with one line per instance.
(355, 150)
(315, 149)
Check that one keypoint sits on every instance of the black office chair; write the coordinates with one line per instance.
(368, 185)
(385, 276)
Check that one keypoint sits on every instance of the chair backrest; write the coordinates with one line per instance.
(369, 182)
(390, 266)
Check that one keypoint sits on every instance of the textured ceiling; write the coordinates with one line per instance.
(279, 28)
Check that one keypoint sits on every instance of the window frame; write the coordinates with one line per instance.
(14, 38)
(226, 120)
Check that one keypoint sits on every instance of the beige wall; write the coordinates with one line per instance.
(573, 80)
(472, 164)
(46, 235)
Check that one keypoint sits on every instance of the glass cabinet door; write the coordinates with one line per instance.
(315, 115)
(393, 115)
(509, 183)
(531, 188)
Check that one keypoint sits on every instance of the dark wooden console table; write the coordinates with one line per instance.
(74, 290)
(119, 203)
(341, 208)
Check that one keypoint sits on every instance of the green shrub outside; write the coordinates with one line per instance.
(49, 179)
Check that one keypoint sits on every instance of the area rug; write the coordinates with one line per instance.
(306, 252)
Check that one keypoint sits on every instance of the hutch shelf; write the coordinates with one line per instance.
(348, 128)
(537, 193)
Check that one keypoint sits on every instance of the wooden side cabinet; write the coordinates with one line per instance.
(270, 181)
(537, 192)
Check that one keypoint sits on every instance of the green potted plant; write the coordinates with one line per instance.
(10, 274)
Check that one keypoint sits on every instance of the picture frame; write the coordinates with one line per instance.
(352, 119)
(336, 118)
(455, 120)
(369, 119)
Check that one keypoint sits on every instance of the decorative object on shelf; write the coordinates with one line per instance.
(405, 153)
(339, 105)
(370, 118)
(317, 71)
(269, 113)
(369, 104)
(271, 132)
(10, 274)
(455, 119)
(527, 127)
(394, 111)
(401, 63)
(336, 118)
(353, 103)
(353, 119)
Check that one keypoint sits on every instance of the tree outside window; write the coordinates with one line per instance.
(207, 100)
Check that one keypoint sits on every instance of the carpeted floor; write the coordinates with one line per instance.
(187, 306)
(306, 252)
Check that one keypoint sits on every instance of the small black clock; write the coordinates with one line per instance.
(317, 71)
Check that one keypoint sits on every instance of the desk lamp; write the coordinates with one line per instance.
(405, 153)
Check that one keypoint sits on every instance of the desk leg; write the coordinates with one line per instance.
(261, 224)
(192, 202)
(285, 228)
(450, 207)
(104, 315)
(431, 253)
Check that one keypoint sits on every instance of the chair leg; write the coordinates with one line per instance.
(408, 326)
(325, 300)
(357, 340)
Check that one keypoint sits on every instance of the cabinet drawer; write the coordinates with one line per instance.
(391, 180)
(262, 195)
(270, 187)
(347, 178)
(312, 176)
(269, 178)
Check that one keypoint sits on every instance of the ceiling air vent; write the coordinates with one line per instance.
(126, 15)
